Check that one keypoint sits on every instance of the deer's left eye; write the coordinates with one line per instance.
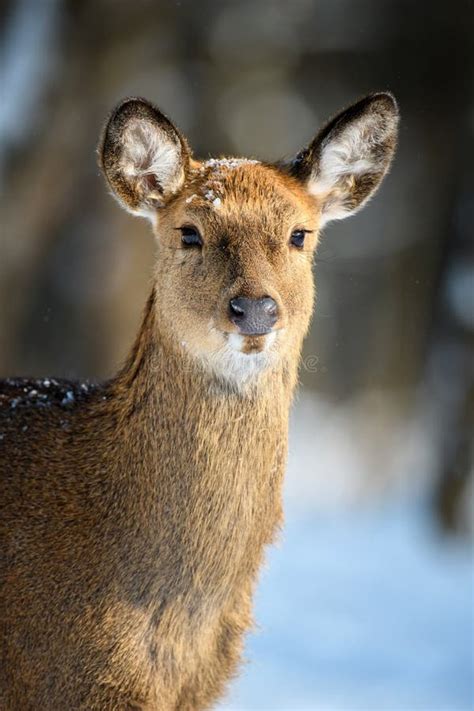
(298, 237)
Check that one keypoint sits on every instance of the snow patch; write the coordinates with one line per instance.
(227, 163)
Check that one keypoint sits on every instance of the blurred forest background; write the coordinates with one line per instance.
(385, 415)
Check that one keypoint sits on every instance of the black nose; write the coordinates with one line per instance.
(254, 317)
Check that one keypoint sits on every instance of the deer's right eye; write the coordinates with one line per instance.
(190, 236)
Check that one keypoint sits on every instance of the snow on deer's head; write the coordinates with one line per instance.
(236, 237)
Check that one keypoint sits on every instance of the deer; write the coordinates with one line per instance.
(135, 513)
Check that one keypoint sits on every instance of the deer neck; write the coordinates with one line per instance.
(205, 462)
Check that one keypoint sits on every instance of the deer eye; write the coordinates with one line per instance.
(297, 238)
(190, 236)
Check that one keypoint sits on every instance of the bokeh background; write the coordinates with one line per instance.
(367, 602)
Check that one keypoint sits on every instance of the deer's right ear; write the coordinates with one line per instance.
(143, 156)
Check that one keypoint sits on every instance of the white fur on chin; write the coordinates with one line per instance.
(232, 363)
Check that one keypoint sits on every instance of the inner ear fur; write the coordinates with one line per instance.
(345, 163)
(143, 156)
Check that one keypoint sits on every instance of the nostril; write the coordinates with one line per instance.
(237, 307)
(269, 306)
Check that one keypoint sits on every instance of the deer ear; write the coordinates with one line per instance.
(347, 160)
(143, 156)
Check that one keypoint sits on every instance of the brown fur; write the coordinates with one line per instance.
(135, 513)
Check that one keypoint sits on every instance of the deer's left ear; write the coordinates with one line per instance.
(347, 160)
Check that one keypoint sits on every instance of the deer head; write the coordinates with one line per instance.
(236, 237)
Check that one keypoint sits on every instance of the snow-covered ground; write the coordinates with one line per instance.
(361, 607)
